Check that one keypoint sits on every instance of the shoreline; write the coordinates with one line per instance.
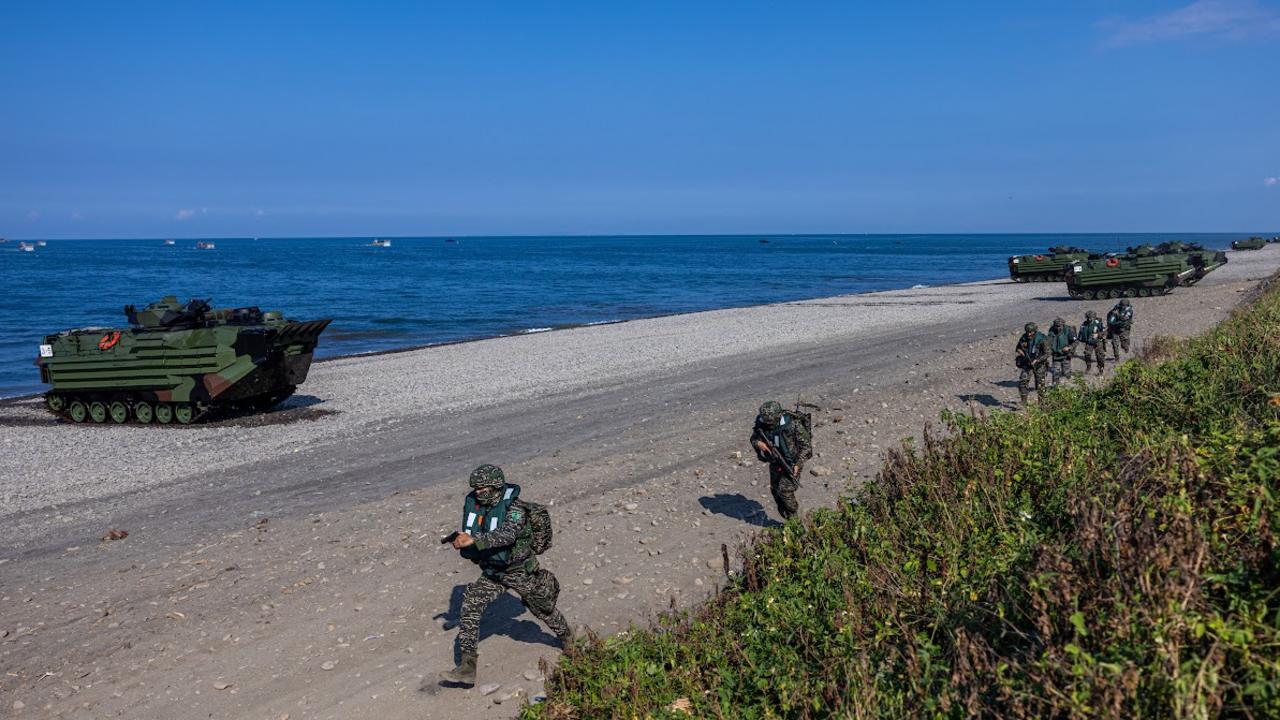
(301, 545)
(15, 399)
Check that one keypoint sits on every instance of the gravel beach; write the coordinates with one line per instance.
(287, 565)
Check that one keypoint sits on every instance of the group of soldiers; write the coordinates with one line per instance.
(1039, 354)
(503, 534)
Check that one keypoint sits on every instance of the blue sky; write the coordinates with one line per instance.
(312, 118)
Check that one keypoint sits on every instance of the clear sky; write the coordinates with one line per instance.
(180, 119)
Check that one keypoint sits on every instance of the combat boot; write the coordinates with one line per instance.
(464, 674)
(565, 638)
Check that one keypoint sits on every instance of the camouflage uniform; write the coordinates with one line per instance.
(516, 570)
(1062, 341)
(1119, 323)
(1029, 355)
(794, 441)
(1093, 335)
(536, 586)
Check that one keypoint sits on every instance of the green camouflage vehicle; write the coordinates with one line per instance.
(1142, 272)
(1045, 268)
(177, 363)
(1253, 243)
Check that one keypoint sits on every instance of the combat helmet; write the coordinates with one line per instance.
(770, 413)
(487, 476)
(1090, 315)
(487, 481)
(1030, 328)
(1125, 302)
(1059, 322)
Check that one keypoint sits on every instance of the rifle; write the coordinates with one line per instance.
(774, 453)
(1022, 353)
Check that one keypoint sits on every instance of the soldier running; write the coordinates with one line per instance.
(1119, 323)
(1062, 341)
(498, 536)
(1093, 335)
(782, 440)
(1031, 356)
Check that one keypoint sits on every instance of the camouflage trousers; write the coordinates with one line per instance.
(1119, 340)
(1061, 368)
(784, 489)
(1024, 381)
(538, 591)
(1096, 351)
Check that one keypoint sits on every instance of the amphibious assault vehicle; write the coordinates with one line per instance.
(1142, 272)
(1045, 268)
(177, 363)
(1253, 243)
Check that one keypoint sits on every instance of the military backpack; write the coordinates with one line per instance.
(539, 526)
(806, 421)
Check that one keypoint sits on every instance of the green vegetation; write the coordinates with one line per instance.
(1112, 553)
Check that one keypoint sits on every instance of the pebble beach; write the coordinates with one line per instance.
(328, 509)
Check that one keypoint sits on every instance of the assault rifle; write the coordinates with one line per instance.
(759, 439)
(1028, 361)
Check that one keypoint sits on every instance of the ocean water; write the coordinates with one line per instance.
(424, 291)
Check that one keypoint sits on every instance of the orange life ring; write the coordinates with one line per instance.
(1039, 258)
(1112, 262)
(109, 340)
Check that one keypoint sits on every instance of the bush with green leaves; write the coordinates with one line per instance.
(1110, 553)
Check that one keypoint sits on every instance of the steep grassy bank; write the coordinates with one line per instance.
(1112, 553)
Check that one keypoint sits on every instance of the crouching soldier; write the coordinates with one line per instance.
(1093, 335)
(785, 441)
(503, 535)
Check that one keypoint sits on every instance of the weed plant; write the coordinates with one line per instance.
(1112, 552)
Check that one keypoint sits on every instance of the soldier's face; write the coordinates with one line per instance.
(488, 496)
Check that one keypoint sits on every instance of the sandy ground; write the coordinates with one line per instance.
(288, 564)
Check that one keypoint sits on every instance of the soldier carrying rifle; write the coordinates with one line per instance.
(1032, 358)
(784, 440)
(503, 534)
(1119, 324)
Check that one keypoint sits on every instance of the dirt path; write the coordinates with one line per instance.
(308, 582)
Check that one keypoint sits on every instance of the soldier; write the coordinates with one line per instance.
(1092, 334)
(1062, 341)
(784, 441)
(498, 536)
(1031, 355)
(1119, 322)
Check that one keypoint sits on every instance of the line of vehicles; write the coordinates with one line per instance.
(1140, 271)
(176, 363)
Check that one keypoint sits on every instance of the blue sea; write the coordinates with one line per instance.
(423, 291)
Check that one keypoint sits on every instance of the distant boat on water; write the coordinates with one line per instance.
(26, 247)
(41, 243)
(450, 240)
(381, 243)
(764, 242)
(170, 242)
(203, 245)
